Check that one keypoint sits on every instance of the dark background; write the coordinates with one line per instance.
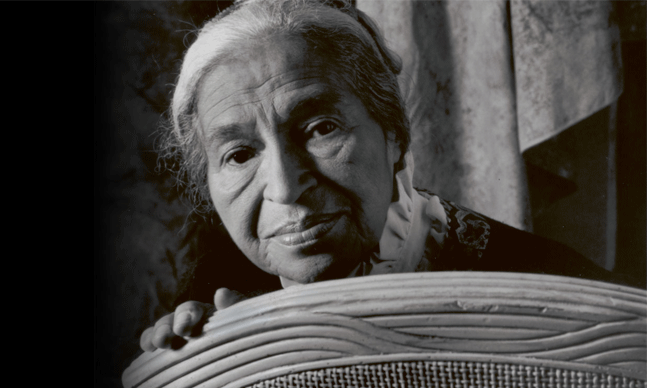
(146, 237)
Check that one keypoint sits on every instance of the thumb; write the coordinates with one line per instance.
(225, 297)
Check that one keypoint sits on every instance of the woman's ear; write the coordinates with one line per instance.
(394, 153)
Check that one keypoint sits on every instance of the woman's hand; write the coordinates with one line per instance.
(171, 330)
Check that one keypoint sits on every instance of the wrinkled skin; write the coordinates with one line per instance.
(299, 173)
(187, 320)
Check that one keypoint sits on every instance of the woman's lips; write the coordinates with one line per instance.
(309, 235)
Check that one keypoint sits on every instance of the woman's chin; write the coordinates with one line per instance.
(315, 268)
(308, 269)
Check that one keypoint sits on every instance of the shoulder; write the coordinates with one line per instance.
(475, 242)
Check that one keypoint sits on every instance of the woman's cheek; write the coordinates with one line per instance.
(230, 181)
(235, 196)
(331, 146)
(238, 219)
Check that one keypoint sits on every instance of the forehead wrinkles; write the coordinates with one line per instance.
(214, 101)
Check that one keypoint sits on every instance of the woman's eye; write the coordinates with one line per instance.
(323, 128)
(240, 156)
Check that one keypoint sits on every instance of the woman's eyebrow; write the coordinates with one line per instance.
(324, 102)
(223, 134)
(321, 103)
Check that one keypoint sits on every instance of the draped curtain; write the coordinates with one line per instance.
(486, 80)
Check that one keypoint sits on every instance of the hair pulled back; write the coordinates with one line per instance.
(347, 37)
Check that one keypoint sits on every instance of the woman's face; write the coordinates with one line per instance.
(299, 173)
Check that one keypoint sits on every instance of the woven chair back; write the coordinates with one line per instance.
(440, 330)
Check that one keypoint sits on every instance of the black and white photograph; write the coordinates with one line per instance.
(370, 193)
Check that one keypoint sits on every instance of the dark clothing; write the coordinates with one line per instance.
(478, 243)
(469, 242)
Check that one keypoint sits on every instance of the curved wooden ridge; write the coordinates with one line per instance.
(436, 329)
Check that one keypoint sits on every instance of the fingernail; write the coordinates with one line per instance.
(182, 319)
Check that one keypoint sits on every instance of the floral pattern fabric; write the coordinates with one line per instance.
(465, 241)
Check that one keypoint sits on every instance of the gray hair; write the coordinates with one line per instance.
(334, 28)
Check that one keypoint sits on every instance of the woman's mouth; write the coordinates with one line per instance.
(306, 233)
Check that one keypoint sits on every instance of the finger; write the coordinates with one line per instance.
(225, 297)
(163, 333)
(145, 341)
(187, 316)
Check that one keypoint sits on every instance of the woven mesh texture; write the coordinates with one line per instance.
(448, 374)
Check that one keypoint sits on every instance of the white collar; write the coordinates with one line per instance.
(403, 239)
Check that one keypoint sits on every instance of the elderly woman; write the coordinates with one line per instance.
(290, 122)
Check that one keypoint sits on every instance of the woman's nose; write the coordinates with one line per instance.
(288, 176)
